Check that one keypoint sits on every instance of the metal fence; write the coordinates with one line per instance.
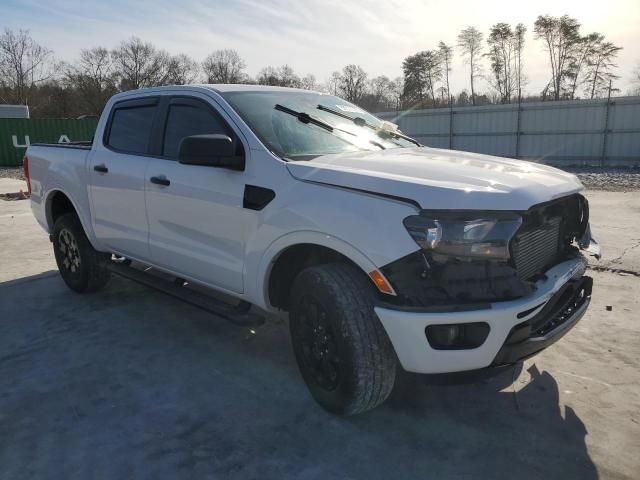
(16, 134)
(602, 132)
(14, 111)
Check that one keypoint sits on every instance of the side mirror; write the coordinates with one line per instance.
(210, 150)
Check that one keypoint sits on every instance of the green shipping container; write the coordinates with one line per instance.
(16, 134)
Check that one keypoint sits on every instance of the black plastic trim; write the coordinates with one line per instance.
(409, 201)
(157, 128)
(423, 284)
(524, 340)
(160, 181)
(502, 213)
(256, 198)
(73, 145)
(239, 314)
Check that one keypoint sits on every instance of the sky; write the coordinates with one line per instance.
(317, 36)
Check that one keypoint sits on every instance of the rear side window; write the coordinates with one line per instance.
(185, 120)
(131, 128)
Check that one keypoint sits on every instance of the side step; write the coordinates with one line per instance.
(237, 314)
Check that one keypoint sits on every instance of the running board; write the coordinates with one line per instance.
(237, 314)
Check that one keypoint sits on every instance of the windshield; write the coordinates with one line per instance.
(304, 125)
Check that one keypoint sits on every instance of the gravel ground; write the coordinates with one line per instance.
(11, 172)
(608, 179)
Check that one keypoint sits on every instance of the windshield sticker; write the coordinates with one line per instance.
(350, 108)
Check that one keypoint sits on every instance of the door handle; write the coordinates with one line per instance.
(160, 181)
(102, 168)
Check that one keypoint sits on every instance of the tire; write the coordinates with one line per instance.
(82, 267)
(342, 350)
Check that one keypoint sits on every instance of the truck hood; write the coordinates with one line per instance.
(441, 179)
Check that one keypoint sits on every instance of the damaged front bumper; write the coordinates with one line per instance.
(516, 329)
(589, 245)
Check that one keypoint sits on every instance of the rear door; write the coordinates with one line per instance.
(197, 223)
(117, 177)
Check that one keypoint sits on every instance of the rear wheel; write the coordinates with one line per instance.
(341, 348)
(82, 267)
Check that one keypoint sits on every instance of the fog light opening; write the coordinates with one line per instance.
(457, 336)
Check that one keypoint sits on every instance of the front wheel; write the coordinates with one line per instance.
(81, 266)
(342, 350)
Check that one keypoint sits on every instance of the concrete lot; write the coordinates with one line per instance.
(129, 383)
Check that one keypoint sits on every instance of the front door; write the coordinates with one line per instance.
(117, 178)
(197, 224)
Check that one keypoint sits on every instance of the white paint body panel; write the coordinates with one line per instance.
(443, 179)
(197, 228)
(118, 199)
(211, 247)
(407, 329)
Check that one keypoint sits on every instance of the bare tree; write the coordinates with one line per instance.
(599, 66)
(352, 83)
(283, 76)
(379, 94)
(379, 87)
(23, 64)
(432, 71)
(446, 56)
(308, 82)
(224, 66)
(635, 81)
(288, 77)
(463, 98)
(518, 47)
(470, 43)
(397, 88)
(140, 64)
(560, 36)
(333, 84)
(268, 76)
(501, 42)
(182, 70)
(93, 77)
(583, 51)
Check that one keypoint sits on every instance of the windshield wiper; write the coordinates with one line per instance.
(361, 122)
(304, 117)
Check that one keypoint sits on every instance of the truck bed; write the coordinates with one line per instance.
(59, 166)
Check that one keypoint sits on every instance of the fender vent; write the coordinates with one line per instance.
(256, 198)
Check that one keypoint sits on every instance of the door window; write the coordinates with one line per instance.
(130, 128)
(184, 120)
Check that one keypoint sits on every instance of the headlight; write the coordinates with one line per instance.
(468, 235)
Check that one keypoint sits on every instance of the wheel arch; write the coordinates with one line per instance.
(58, 203)
(288, 255)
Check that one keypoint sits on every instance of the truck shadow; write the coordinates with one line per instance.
(155, 382)
(513, 420)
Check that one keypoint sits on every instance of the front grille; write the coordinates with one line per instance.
(536, 249)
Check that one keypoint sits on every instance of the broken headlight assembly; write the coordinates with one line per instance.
(467, 235)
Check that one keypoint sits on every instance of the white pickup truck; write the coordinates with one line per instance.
(383, 251)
